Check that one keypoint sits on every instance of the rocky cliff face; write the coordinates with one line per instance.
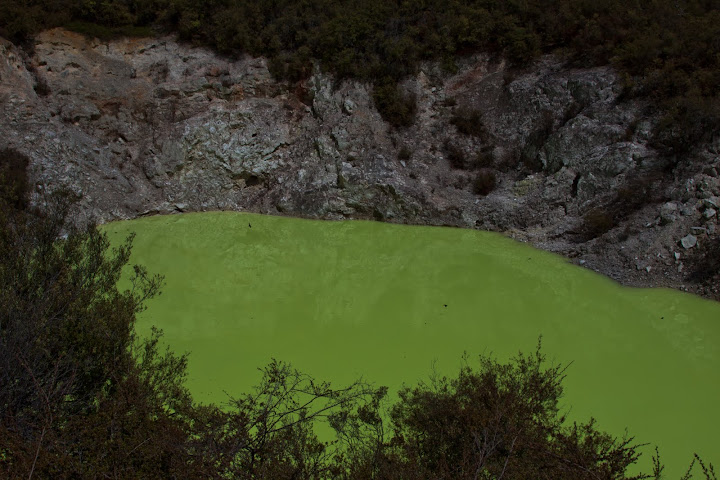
(151, 126)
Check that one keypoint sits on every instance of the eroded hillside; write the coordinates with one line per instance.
(547, 154)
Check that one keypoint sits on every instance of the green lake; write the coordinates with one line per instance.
(390, 303)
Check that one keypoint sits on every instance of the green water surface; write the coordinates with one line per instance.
(340, 300)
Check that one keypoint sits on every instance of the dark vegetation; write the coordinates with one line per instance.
(641, 188)
(13, 178)
(485, 181)
(396, 106)
(469, 122)
(704, 267)
(530, 153)
(81, 396)
(456, 155)
(667, 49)
(404, 153)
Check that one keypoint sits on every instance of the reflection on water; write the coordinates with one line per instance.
(347, 299)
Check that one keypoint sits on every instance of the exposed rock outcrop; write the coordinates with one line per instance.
(142, 126)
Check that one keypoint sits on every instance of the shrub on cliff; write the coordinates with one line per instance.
(704, 267)
(13, 179)
(687, 122)
(642, 188)
(396, 107)
(485, 182)
(469, 122)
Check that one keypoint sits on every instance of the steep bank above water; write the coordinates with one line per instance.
(141, 126)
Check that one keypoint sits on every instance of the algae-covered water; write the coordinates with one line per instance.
(341, 300)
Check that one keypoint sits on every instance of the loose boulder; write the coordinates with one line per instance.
(688, 241)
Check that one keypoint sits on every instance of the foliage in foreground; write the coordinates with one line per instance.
(81, 396)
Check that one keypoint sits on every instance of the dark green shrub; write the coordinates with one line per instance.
(688, 122)
(19, 21)
(396, 107)
(521, 45)
(14, 187)
(493, 421)
(292, 66)
(405, 153)
(460, 160)
(704, 266)
(530, 154)
(455, 155)
(469, 122)
(484, 158)
(642, 189)
(485, 182)
(596, 222)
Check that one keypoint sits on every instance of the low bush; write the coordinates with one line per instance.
(687, 122)
(596, 223)
(485, 182)
(455, 155)
(484, 158)
(704, 267)
(469, 122)
(14, 188)
(530, 153)
(499, 420)
(396, 107)
(642, 189)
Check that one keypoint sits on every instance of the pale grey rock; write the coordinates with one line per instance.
(349, 106)
(668, 212)
(688, 241)
(709, 213)
(172, 156)
(711, 202)
(688, 210)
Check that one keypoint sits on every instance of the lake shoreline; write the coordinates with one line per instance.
(582, 255)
